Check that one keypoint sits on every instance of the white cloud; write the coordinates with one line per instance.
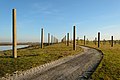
(42, 8)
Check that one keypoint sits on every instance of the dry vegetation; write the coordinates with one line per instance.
(33, 56)
(109, 68)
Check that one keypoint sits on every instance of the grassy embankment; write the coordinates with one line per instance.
(109, 68)
(33, 56)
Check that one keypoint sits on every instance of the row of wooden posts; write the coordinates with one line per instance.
(67, 41)
(53, 39)
(95, 41)
(85, 41)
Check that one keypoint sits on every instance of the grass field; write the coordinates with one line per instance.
(33, 56)
(109, 68)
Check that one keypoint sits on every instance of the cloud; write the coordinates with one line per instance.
(44, 9)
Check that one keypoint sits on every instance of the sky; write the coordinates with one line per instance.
(58, 17)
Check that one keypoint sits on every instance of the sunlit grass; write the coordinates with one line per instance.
(33, 56)
(109, 68)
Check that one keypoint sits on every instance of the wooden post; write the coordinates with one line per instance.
(84, 40)
(48, 38)
(67, 39)
(111, 41)
(95, 40)
(98, 39)
(54, 40)
(74, 38)
(87, 41)
(51, 39)
(42, 38)
(57, 41)
(14, 34)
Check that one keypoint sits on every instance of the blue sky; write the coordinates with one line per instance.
(58, 17)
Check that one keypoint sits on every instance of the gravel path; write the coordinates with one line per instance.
(78, 67)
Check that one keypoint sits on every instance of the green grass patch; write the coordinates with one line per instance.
(109, 68)
(33, 56)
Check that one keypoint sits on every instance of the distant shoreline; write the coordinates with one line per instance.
(9, 44)
(29, 43)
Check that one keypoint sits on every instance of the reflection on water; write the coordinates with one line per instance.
(10, 47)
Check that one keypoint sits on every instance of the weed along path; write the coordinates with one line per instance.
(75, 67)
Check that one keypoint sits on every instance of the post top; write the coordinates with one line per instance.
(14, 8)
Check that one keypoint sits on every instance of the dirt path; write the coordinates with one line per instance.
(77, 67)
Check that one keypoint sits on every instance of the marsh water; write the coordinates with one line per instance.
(2, 48)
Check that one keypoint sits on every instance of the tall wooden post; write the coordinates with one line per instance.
(42, 37)
(48, 38)
(87, 41)
(54, 40)
(51, 39)
(14, 34)
(111, 41)
(67, 39)
(84, 40)
(98, 39)
(95, 40)
(74, 38)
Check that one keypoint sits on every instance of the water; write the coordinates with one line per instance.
(10, 47)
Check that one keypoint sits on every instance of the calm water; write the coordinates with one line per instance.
(10, 47)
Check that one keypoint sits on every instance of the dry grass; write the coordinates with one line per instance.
(109, 68)
(33, 56)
